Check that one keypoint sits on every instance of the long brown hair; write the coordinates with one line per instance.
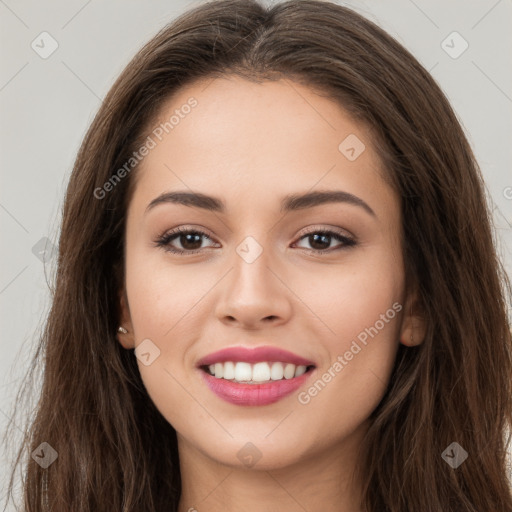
(115, 450)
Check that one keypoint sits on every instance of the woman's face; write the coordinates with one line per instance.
(321, 278)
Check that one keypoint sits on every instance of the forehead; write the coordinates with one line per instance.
(255, 140)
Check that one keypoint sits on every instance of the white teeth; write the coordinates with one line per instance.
(256, 373)
(229, 371)
(261, 372)
(277, 371)
(300, 370)
(289, 371)
(219, 370)
(243, 371)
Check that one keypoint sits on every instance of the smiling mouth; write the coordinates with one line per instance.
(255, 373)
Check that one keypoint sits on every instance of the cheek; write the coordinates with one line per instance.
(164, 306)
(350, 298)
(363, 308)
(361, 354)
(360, 311)
(163, 297)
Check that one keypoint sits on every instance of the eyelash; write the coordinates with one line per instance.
(164, 240)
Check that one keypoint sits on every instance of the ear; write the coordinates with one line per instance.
(414, 327)
(127, 340)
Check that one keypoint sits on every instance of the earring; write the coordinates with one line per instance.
(122, 330)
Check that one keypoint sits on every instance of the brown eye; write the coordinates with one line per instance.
(190, 241)
(320, 240)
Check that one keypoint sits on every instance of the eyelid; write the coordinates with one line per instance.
(188, 228)
(335, 229)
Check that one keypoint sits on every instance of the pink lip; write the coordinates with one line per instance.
(254, 394)
(254, 355)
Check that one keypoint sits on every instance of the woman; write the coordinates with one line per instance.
(245, 155)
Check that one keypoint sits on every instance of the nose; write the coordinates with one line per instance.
(254, 295)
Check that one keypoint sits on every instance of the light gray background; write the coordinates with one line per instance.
(47, 105)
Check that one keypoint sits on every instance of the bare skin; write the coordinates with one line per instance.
(249, 145)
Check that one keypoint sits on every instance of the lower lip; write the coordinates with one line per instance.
(254, 394)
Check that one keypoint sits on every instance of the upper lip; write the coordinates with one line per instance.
(253, 355)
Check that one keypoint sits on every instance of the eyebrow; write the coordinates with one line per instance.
(292, 202)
